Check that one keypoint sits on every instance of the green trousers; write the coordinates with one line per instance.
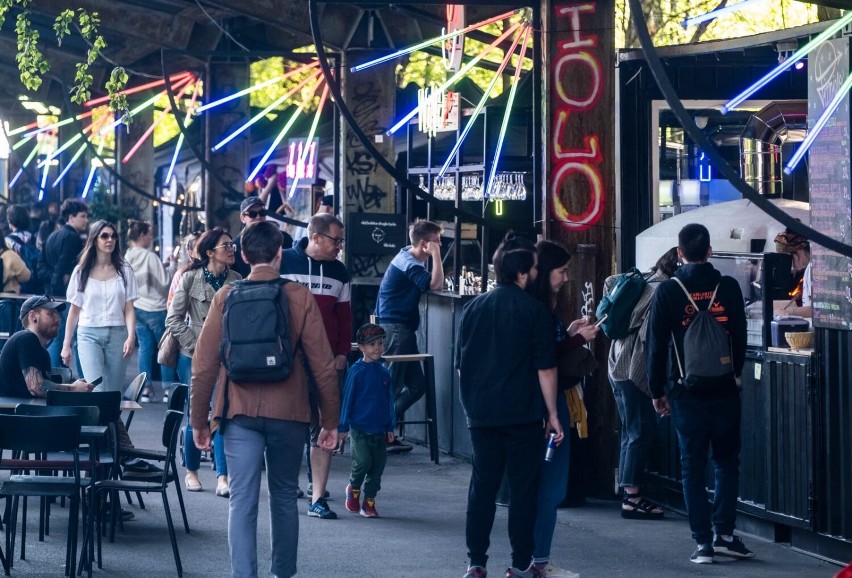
(369, 456)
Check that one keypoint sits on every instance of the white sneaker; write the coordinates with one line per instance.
(554, 571)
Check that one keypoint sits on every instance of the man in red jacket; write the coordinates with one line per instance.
(313, 263)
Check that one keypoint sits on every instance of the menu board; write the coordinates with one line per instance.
(828, 174)
(376, 233)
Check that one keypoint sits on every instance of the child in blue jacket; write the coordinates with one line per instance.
(367, 416)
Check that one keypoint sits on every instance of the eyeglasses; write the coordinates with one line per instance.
(226, 246)
(338, 241)
(255, 214)
(107, 236)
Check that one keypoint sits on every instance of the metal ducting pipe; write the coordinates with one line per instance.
(760, 143)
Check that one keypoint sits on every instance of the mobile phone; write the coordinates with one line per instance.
(601, 320)
(97, 381)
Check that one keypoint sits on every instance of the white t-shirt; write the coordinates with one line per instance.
(102, 303)
(807, 287)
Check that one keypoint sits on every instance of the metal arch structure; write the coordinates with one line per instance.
(720, 163)
(399, 176)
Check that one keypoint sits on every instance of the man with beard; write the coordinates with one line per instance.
(24, 361)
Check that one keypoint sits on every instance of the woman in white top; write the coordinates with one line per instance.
(101, 294)
(150, 308)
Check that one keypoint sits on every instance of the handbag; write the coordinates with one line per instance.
(168, 350)
(576, 364)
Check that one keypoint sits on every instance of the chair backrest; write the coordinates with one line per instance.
(26, 433)
(60, 374)
(133, 392)
(177, 399)
(107, 402)
(89, 415)
(171, 427)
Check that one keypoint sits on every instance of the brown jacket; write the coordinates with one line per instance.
(287, 400)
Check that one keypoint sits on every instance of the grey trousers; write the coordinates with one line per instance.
(247, 441)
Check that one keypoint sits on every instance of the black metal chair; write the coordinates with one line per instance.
(39, 435)
(134, 393)
(177, 400)
(142, 482)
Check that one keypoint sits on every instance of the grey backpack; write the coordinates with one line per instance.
(707, 362)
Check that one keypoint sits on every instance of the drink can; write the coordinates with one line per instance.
(551, 447)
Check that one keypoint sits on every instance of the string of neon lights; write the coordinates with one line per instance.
(51, 126)
(79, 152)
(143, 105)
(713, 14)
(506, 115)
(251, 89)
(458, 75)
(67, 144)
(24, 165)
(431, 41)
(820, 123)
(310, 140)
(281, 135)
(481, 104)
(150, 130)
(189, 112)
(789, 62)
(266, 111)
(21, 129)
(135, 89)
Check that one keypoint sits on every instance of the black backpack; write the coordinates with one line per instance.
(30, 254)
(256, 332)
(707, 361)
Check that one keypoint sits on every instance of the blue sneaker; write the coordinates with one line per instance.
(320, 509)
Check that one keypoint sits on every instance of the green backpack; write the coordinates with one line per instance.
(618, 304)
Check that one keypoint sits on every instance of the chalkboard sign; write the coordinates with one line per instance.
(831, 204)
(376, 233)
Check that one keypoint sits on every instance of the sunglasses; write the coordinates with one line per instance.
(226, 246)
(255, 214)
(336, 240)
(107, 236)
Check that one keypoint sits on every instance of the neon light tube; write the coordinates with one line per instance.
(506, 116)
(21, 129)
(135, 89)
(161, 115)
(813, 133)
(189, 111)
(431, 41)
(310, 142)
(693, 20)
(278, 139)
(796, 56)
(480, 105)
(92, 171)
(143, 106)
(44, 173)
(455, 77)
(26, 162)
(265, 111)
(15, 178)
(67, 168)
(59, 123)
(263, 84)
(20, 143)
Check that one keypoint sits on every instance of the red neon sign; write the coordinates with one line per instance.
(577, 85)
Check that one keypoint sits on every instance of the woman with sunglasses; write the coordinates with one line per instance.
(101, 293)
(207, 273)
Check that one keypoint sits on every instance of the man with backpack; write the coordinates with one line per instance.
(699, 315)
(22, 242)
(250, 349)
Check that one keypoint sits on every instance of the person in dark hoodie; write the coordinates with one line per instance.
(709, 417)
(313, 263)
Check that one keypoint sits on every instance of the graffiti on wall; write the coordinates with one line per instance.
(577, 187)
(365, 189)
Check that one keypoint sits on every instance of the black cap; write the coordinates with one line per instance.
(368, 333)
(39, 301)
(249, 202)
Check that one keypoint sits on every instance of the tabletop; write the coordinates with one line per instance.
(7, 402)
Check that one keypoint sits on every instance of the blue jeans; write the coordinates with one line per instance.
(517, 450)
(638, 427)
(150, 326)
(409, 383)
(248, 440)
(552, 487)
(100, 350)
(55, 346)
(703, 424)
(191, 454)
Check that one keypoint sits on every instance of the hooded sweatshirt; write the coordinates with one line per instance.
(329, 283)
(671, 314)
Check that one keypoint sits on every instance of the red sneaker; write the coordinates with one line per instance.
(368, 508)
(353, 499)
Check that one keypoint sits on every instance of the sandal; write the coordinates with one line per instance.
(641, 510)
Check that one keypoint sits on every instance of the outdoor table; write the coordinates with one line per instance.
(11, 402)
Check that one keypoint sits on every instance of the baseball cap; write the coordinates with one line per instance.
(249, 202)
(38, 301)
(368, 333)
